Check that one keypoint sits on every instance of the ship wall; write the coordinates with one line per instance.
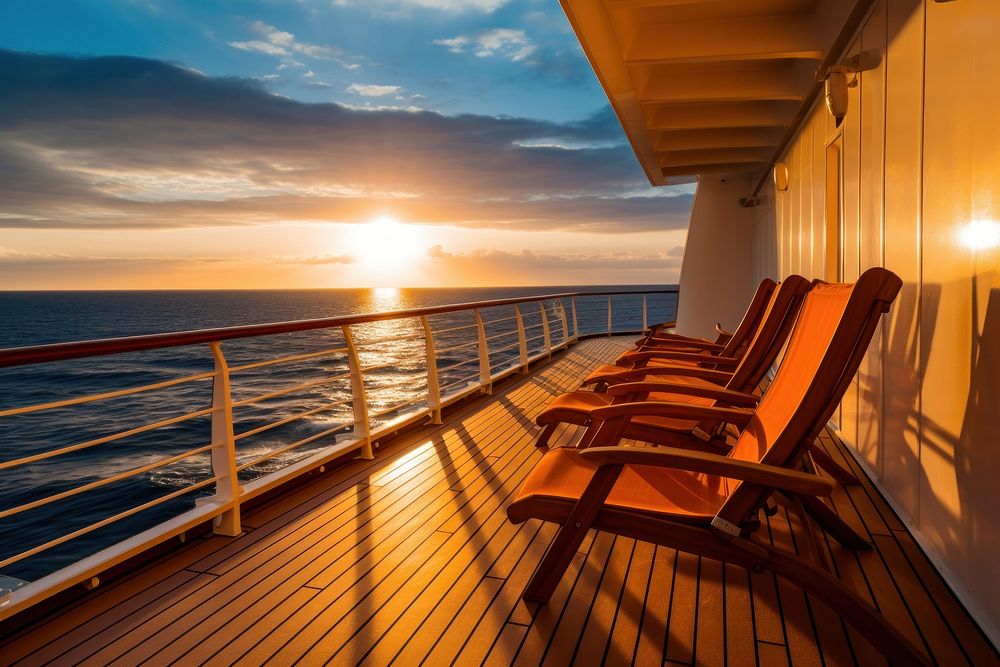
(716, 273)
(911, 181)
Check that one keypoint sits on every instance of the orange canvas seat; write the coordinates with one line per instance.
(686, 351)
(559, 481)
(708, 504)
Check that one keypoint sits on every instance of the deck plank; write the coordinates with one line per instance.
(409, 559)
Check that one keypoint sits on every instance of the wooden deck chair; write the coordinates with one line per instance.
(708, 504)
(691, 351)
(687, 384)
(657, 333)
(656, 338)
(696, 385)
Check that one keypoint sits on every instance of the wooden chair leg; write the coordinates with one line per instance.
(542, 442)
(553, 566)
(897, 649)
(835, 470)
(829, 521)
(560, 553)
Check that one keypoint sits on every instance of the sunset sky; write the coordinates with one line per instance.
(318, 143)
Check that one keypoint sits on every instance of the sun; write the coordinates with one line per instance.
(386, 242)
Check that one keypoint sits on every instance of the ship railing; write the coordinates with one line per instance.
(462, 349)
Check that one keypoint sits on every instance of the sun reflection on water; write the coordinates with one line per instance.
(386, 298)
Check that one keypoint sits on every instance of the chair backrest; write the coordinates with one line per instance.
(751, 319)
(831, 335)
(776, 324)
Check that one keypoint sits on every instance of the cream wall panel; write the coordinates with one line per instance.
(960, 309)
(870, 230)
(795, 210)
(764, 236)
(850, 238)
(781, 229)
(818, 190)
(903, 361)
(804, 195)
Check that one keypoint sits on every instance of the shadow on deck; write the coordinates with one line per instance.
(410, 558)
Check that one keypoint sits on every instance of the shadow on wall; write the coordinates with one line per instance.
(959, 477)
(903, 376)
(977, 455)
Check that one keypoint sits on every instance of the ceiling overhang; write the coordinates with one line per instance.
(708, 86)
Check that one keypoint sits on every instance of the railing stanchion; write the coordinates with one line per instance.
(522, 341)
(546, 338)
(576, 327)
(645, 325)
(609, 314)
(227, 486)
(562, 321)
(433, 387)
(359, 401)
(485, 378)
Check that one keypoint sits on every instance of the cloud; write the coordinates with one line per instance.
(373, 90)
(257, 46)
(12, 256)
(504, 42)
(281, 43)
(323, 259)
(130, 143)
(9, 256)
(530, 268)
(392, 7)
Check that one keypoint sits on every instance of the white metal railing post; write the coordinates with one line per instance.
(484, 355)
(562, 321)
(433, 387)
(522, 341)
(645, 325)
(609, 314)
(576, 326)
(359, 401)
(227, 485)
(546, 338)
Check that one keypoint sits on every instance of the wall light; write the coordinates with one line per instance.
(780, 176)
(980, 234)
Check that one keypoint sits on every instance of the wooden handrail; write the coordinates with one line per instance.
(36, 354)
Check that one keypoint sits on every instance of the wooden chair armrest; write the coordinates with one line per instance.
(775, 477)
(737, 416)
(719, 394)
(654, 343)
(717, 377)
(668, 339)
(666, 355)
(633, 356)
(662, 325)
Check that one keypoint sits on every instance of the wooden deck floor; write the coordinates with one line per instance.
(410, 559)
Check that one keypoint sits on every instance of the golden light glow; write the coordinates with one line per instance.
(980, 234)
(386, 243)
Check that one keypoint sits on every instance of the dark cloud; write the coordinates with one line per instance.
(119, 142)
(325, 259)
(538, 268)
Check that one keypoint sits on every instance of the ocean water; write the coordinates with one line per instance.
(395, 383)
